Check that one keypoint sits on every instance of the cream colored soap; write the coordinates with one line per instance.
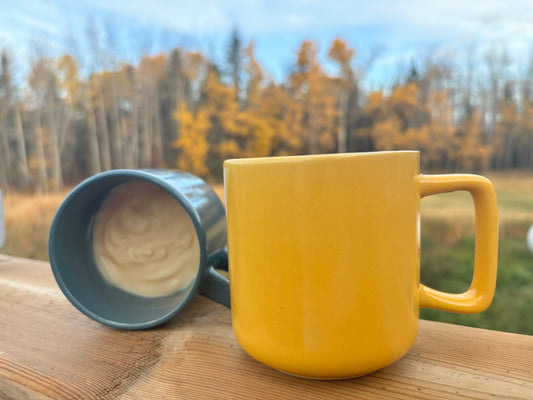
(144, 242)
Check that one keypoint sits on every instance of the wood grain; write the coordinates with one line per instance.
(49, 350)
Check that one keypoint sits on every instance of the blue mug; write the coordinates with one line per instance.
(76, 271)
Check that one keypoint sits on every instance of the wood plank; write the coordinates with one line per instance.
(49, 350)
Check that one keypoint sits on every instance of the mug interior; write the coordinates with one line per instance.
(77, 274)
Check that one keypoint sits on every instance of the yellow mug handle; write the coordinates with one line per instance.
(479, 296)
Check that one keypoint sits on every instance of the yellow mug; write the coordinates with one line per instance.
(324, 255)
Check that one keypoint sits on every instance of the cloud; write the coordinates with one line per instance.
(397, 21)
(389, 22)
(401, 27)
(36, 24)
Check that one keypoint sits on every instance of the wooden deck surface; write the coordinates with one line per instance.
(49, 350)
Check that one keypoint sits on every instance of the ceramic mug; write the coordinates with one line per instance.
(324, 255)
(72, 256)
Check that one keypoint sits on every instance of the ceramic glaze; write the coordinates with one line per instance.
(324, 258)
(164, 230)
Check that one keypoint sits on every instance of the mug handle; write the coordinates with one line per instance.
(479, 296)
(215, 286)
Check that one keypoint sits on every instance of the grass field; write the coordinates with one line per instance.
(28, 221)
(447, 247)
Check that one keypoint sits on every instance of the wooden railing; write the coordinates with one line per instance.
(49, 350)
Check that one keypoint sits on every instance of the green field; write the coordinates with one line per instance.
(447, 247)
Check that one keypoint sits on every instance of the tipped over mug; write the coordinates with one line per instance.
(113, 218)
(324, 255)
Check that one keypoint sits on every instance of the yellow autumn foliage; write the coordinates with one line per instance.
(192, 139)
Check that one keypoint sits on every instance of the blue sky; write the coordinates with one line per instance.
(397, 31)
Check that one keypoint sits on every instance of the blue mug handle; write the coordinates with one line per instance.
(214, 285)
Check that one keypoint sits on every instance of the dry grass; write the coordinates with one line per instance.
(28, 221)
(219, 190)
(515, 181)
(450, 216)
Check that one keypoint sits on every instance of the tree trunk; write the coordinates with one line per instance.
(508, 158)
(53, 136)
(157, 160)
(530, 158)
(146, 137)
(40, 157)
(116, 145)
(134, 128)
(104, 135)
(94, 151)
(64, 125)
(342, 134)
(5, 163)
(127, 143)
(23, 170)
(117, 135)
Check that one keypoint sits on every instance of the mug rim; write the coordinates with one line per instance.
(311, 157)
(181, 199)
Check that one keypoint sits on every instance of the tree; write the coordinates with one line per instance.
(14, 161)
(183, 109)
(50, 116)
(192, 141)
(234, 59)
(343, 55)
(71, 92)
(403, 122)
(255, 76)
(151, 71)
(441, 131)
(174, 88)
(227, 137)
(97, 108)
(526, 131)
(507, 130)
(313, 91)
(283, 115)
(470, 151)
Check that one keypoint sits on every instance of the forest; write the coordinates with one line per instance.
(181, 109)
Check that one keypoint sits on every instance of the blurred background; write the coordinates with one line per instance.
(89, 86)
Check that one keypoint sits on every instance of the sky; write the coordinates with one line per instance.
(388, 35)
